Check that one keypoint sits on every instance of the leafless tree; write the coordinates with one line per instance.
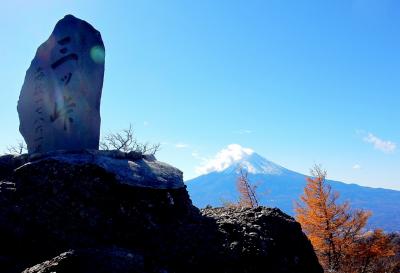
(125, 141)
(18, 149)
(247, 191)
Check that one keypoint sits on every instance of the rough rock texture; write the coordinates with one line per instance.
(92, 260)
(60, 214)
(59, 104)
(128, 168)
(263, 240)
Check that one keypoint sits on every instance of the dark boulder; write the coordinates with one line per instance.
(114, 212)
(92, 260)
(263, 240)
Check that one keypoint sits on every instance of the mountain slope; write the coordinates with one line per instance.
(280, 187)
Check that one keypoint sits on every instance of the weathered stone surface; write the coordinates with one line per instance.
(140, 173)
(127, 168)
(64, 202)
(263, 240)
(92, 261)
(59, 104)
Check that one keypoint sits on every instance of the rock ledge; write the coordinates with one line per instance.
(128, 168)
(80, 212)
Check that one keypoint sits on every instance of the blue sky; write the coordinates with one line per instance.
(299, 82)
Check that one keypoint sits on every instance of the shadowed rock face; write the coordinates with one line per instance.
(69, 212)
(59, 104)
(263, 240)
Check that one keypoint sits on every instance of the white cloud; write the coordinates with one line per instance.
(223, 159)
(385, 146)
(357, 167)
(181, 146)
(243, 132)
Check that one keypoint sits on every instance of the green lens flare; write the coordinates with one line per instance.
(97, 54)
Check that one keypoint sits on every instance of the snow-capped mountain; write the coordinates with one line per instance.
(280, 187)
(255, 164)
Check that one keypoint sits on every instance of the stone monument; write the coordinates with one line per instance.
(59, 104)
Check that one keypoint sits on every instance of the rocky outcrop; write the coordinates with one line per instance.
(92, 260)
(106, 211)
(263, 240)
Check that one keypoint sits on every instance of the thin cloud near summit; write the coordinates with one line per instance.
(223, 159)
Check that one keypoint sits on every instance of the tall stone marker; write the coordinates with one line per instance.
(59, 104)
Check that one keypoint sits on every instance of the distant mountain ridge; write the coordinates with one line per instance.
(280, 187)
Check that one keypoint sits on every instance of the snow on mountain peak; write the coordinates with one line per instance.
(256, 164)
(235, 156)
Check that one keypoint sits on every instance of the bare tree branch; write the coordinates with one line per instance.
(125, 141)
(247, 191)
(18, 149)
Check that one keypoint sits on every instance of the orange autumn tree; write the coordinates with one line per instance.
(331, 226)
(373, 251)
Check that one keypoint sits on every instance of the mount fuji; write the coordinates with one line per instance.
(280, 187)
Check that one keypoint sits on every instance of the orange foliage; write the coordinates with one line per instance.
(373, 251)
(331, 227)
